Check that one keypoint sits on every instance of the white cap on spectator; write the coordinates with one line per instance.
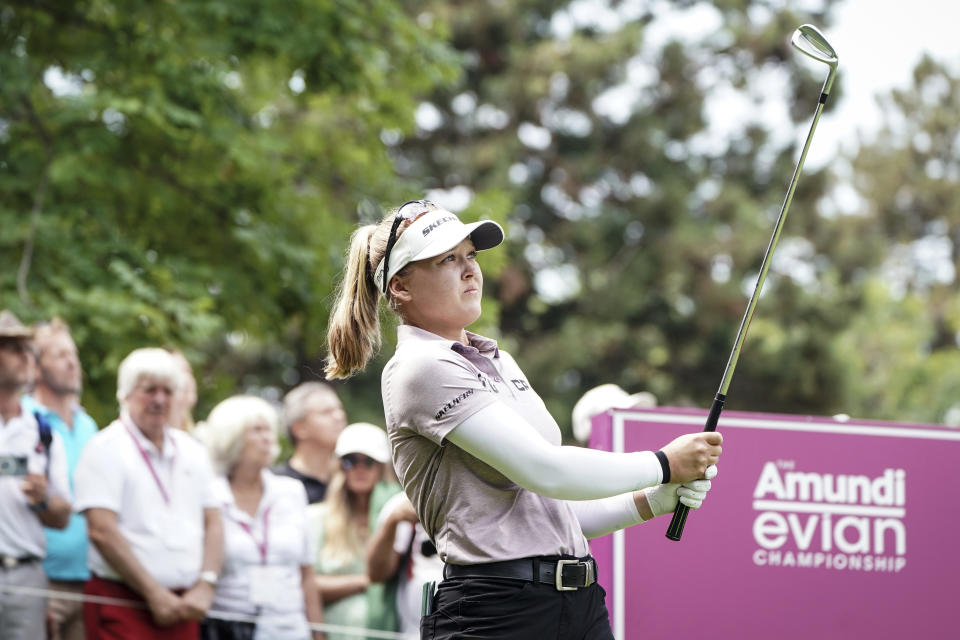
(365, 438)
(601, 398)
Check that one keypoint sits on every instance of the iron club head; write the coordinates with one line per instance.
(808, 39)
(810, 42)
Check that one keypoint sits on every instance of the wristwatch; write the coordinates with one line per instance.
(210, 577)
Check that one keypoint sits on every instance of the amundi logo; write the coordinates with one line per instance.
(830, 521)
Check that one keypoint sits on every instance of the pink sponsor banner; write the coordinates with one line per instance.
(815, 528)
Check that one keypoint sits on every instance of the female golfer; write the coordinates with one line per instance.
(476, 450)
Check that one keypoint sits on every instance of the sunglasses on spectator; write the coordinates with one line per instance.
(353, 460)
(409, 211)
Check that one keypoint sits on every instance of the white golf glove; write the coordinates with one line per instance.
(664, 498)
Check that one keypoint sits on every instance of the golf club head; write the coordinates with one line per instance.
(810, 42)
(808, 39)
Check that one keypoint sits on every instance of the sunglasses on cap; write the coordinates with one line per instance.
(352, 460)
(409, 211)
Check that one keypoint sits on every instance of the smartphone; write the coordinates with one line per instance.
(13, 465)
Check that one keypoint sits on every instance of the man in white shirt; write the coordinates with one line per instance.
(33, 490)
(146, 490)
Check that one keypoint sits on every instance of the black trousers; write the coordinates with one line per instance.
(488, 608)
(215, 629)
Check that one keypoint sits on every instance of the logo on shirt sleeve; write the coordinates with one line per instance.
(445, 409)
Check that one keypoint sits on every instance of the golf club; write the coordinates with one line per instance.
(810, 42)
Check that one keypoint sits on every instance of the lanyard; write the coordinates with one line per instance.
(146, 459)
(263, 545)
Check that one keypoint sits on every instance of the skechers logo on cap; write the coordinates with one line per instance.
(436, 223)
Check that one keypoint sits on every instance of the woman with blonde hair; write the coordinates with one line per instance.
(340, 526)
(476, 450)
(185, 399)
(268, 551)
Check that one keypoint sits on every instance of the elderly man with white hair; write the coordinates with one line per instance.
(155, 531)
(269, 551)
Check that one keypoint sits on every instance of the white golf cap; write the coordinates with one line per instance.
(436, 232)
(599, 399)
(365, 438)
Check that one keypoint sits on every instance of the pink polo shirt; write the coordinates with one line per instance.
(473, 513)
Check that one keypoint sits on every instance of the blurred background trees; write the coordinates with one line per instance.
(188, 173)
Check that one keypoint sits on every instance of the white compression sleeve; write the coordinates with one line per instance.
(500, 437)
(600, 517)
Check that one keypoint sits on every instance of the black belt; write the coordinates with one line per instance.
(566, 574)
(12, 562)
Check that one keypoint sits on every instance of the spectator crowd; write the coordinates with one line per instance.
(157, 526)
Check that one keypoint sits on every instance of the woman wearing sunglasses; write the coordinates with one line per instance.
(475, 448)
(340, 525)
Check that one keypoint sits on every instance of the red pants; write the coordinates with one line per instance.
(116, 622)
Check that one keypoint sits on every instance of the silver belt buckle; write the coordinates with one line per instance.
(558, 579)
(587, 580)
(9, 562)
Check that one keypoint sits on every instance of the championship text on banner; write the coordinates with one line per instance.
(814, 528)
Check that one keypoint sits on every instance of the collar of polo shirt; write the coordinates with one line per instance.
(434, 233)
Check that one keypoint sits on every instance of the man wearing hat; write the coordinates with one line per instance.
(33, 490)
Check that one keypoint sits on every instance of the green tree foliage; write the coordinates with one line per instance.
(901, 346)
(185, 173)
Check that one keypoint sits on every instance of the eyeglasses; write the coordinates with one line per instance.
(409, 211)
(353, 460)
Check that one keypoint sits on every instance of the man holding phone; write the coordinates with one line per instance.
(33, 490)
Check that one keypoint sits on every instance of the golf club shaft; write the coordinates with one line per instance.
(675, 530)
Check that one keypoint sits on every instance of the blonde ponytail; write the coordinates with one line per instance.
(353, 336)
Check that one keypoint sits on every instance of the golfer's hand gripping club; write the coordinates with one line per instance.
(809, 41)
(675, 530)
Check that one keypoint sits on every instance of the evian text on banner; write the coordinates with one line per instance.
(829, 521)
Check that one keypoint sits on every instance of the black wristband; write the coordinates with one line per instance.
(664, 464)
